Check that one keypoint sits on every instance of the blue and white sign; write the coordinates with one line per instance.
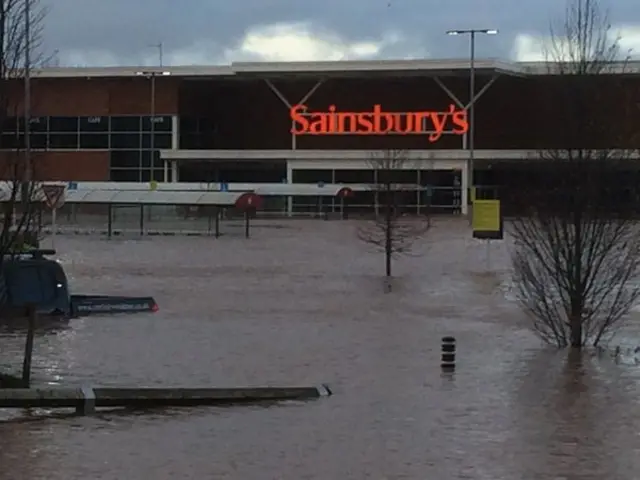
(224, 187)
(72, 186)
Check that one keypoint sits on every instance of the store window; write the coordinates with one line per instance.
(146, 159)
(160, 123)
(160, 140)
(126, 141)
(11, 141)
(12, 124)
(63, 141)
(39, 141)
(125, 123)
(94, 124)
(124, 175)
(63, 124)
(125, 159)
(94, 141)
(38, 124)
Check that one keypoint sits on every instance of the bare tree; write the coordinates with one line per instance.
(20, 51)
(576, 253)
(391, 231)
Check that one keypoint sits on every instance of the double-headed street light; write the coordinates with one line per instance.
(472, 32)
(152, 74)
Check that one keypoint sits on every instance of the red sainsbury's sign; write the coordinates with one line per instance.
(378, 122)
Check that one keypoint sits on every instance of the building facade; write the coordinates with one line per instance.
(236, 123)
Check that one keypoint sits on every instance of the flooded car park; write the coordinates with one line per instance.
(303, 304)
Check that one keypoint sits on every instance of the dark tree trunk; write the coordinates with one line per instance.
(388, 241)
(575, 326)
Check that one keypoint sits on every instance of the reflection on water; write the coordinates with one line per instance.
(303, 305)
(44, 326)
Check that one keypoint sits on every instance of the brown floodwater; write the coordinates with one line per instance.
(301, 305)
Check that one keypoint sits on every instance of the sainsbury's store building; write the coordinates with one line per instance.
(306, 122)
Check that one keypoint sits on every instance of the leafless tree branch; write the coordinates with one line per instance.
(390, 231)
(582, 42)
(576, 254)
(20, 193)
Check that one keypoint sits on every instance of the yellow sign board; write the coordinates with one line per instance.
(487, 220)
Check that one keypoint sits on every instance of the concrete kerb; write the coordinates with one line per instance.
(324, 390)
(86, 399)
(88, 405)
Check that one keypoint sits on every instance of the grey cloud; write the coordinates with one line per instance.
(121, 31)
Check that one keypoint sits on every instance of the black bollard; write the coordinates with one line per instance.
(448, 361)
(32, 317)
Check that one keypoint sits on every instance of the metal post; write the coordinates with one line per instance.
(141, 219)
(153, 124)
(54, 226)
(472, 93)
(419, 190)
(28, 347)
(27, 109)
(472, 99)
(152, 138)
(160, 52)
(488, 257)
(110, 221)
(333, 199)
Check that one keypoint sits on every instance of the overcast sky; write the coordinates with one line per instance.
(122, 32)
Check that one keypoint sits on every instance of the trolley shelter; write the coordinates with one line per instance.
(274, 196)
(318, 193)
(247, 202)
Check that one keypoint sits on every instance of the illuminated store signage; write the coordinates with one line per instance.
(378, 122)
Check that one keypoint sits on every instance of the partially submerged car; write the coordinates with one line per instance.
(30, 279)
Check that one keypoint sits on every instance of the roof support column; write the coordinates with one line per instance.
(471, 102)
(457, 101)
(467, 173)
(174, 171)
(175, 145)
(482, 91)
(289, 182)
(288, 104)
(464, 191)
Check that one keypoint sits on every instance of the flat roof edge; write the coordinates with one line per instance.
(238, 69)
(132, 71)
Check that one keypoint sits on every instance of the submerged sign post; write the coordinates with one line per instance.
(487, 223)
(54, 199)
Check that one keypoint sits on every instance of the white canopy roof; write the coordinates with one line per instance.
(141, 197)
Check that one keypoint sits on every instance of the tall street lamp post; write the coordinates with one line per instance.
(472, 32)
(28, 168)
(152, 74)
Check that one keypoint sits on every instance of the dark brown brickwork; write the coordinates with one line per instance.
(61, 166)
(91, 97)
(514, 113)
(73, 166)
(99, 96)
